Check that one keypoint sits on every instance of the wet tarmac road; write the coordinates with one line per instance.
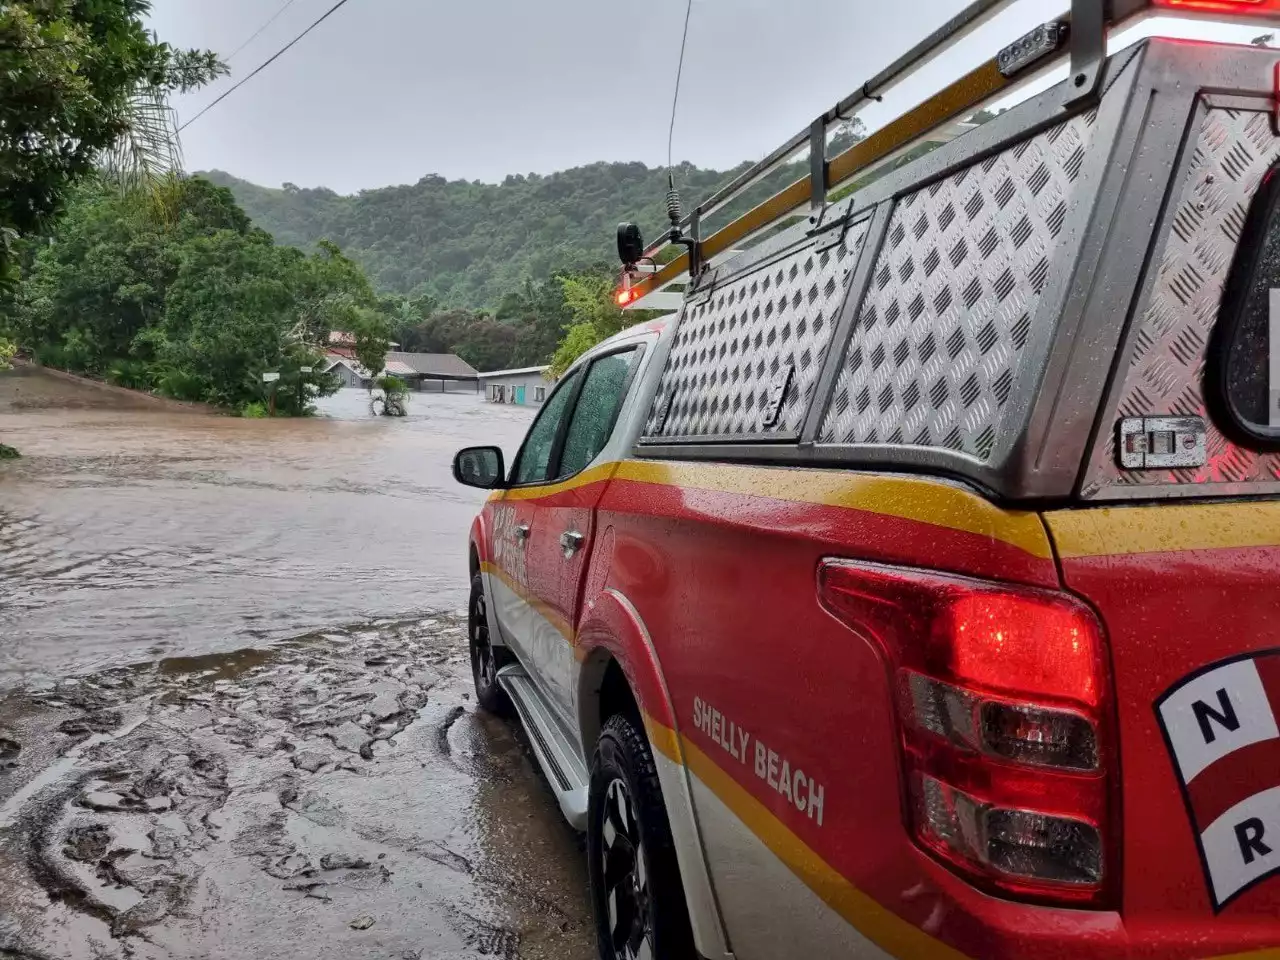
(235, 713)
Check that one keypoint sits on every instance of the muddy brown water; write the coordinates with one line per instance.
(144, 532)
(235, 710)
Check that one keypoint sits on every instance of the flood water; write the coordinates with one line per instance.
(236, 716)
(132, 530)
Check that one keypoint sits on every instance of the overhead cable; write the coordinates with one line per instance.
(272, 59)
(257, 33)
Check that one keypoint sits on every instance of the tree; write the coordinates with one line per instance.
(391, 399)
(81, 83)
(196, 307)
(596, 317)
(468, 245)
(106, 278)
(537, 310)
(372, 334)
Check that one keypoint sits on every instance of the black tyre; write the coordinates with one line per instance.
(636, 890)
(486, 659)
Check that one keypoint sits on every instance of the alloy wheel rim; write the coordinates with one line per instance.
(626, 880)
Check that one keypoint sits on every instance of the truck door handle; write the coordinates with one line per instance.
(522, 532)
(572, 541)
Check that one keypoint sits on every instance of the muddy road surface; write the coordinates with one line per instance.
(235, 703)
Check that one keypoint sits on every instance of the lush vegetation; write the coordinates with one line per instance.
(198, 303)
(468, 245)
(471, 245)
(528, 327)
(504, 275)
(189, 298)
(82, 86)
(7, 351)
(196, 306)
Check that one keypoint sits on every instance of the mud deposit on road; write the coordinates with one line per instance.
(337, 795)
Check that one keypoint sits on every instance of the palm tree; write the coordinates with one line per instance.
(148, 155)
(83, 86)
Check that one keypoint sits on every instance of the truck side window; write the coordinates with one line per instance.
(536, 453)
(1242, 369)
(596, 411)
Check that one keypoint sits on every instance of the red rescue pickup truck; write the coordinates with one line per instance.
(915, 591)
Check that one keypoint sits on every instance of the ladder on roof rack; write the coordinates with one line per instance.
(1081, 34)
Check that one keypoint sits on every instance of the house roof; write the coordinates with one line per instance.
(348, 362)
(435, 366)
(511, 373)
(443, 366)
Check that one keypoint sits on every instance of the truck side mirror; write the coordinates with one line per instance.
(630, 244)
(480, 467)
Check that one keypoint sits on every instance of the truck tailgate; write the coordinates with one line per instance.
(1190, 597)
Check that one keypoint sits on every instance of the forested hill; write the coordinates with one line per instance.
(468, 243)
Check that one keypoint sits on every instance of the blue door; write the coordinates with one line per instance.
(520, 395)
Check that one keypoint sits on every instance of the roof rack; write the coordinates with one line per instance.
(1080, 35)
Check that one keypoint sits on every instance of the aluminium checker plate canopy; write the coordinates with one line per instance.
(983, 295)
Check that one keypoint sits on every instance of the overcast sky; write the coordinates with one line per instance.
(387, 91)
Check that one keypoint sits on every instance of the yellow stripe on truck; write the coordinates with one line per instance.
(878, 924)
(594, 475)
(1164, 528)
(543, 609)
(927, 501)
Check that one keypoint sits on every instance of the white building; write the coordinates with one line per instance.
(527, 386)
(420, 371)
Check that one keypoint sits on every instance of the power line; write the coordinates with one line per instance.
(675, 99)
(261, 29)
(270, 60)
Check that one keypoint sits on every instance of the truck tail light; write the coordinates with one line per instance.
(1003, 698)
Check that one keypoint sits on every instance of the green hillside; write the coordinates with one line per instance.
(467, 244)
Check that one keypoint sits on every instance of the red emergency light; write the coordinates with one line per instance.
(1247, 7)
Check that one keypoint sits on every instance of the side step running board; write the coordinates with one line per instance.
(556, 754)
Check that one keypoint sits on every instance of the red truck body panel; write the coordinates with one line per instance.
(717, 565)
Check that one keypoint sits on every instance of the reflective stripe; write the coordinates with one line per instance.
(1164, 528)
(562, 626)
(879, 925)
(594, 475)
(910, 498)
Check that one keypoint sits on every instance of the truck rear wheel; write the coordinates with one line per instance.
(636, 890)
(486, 659)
